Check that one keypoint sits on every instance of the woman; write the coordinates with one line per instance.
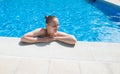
(48, 34)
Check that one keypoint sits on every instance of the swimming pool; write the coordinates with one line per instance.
(111, 10)
(76, 17)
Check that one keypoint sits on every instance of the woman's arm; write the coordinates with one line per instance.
(66, 38)
(31, 37)
(36, 40)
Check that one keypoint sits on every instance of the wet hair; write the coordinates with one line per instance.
(49, 18)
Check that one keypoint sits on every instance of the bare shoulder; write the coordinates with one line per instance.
(39, 31)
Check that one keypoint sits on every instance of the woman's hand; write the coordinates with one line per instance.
(66, 38)
(47, 39)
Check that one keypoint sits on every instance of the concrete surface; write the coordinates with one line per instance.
(58, 58)
(117, 2)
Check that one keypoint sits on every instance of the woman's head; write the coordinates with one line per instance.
(51, 24)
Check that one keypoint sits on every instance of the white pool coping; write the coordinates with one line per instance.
(116, 2)
(58, 58)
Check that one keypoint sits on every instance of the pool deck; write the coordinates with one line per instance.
(58, 58)
(116, 2)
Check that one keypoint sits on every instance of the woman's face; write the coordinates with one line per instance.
(52, 27)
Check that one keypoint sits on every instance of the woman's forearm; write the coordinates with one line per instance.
(36, 40)
(66, 39)
(29, 39)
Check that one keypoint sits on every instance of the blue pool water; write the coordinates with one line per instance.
(109, 9)
(76, 17)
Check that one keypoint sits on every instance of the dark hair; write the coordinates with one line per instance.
(49, 18)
